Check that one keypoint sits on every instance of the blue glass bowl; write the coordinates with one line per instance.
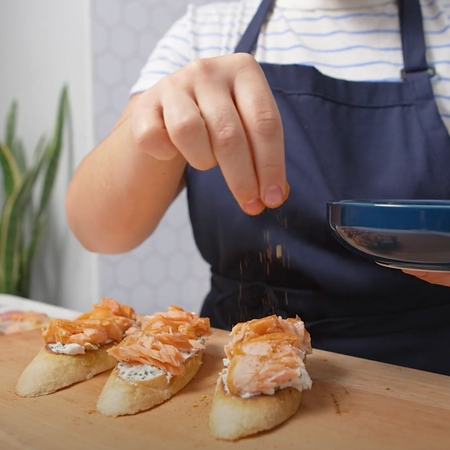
(405, 234)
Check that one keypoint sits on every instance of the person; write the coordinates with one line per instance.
(265, 111)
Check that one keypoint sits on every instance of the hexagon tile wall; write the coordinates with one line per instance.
(167, 268)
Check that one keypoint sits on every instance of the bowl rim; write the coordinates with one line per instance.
(393, 203)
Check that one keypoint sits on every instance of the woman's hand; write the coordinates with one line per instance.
(218, 111)
(431, 277)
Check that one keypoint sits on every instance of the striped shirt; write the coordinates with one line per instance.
(346, 39)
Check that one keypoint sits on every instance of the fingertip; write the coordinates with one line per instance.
(154, 141)
(275, 196)
(286, 192)
(254, 207)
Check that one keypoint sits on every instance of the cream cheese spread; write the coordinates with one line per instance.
(67, 349)
(139, 372)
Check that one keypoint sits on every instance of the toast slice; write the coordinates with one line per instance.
(48, 372)
(154, 362)
(76, 350)
(124, 395)
(233, 417)
(263, 377)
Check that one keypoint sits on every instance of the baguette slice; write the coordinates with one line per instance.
(49, 372)
(263, 377)
(233, 417)
(121, 397)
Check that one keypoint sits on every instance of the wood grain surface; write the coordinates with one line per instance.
(354, 404)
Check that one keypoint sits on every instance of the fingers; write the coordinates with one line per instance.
(169, 124)
(229, 144)
(440, 278)
(187, 130)
(219, 111)
(148, 128)
(260, 117)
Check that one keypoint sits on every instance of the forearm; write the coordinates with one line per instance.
(119, 193)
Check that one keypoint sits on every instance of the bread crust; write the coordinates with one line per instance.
(233, 417)
(121, 397)
(48, 372)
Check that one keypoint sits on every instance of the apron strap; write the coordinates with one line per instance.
(248, 41)
(413, 39)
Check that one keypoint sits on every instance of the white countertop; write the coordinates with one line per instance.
(11, 302)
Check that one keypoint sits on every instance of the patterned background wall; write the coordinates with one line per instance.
(167, 268)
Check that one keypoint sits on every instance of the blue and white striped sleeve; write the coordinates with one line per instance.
(171, 53)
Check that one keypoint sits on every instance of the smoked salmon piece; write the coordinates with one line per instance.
(162, 340)
(177, 319)
(145, 348)
(266, 354)
(107, 322)
(267, 325)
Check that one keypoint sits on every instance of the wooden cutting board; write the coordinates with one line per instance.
(354, 404)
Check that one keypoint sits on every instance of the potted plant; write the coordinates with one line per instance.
(27, 186)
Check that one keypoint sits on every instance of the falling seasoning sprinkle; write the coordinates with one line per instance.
(279, 251)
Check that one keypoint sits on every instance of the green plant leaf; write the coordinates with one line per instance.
(9, 237)
(11, 229)
(2, 278)
(53, 153)
(11, 226)
(50, 160)
(22, 229)
(15, 145)
(10, 130)
(29, 253)
(11, 173)
(18, 151)
(38, 231)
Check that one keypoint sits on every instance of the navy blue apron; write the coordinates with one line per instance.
(343, 140)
